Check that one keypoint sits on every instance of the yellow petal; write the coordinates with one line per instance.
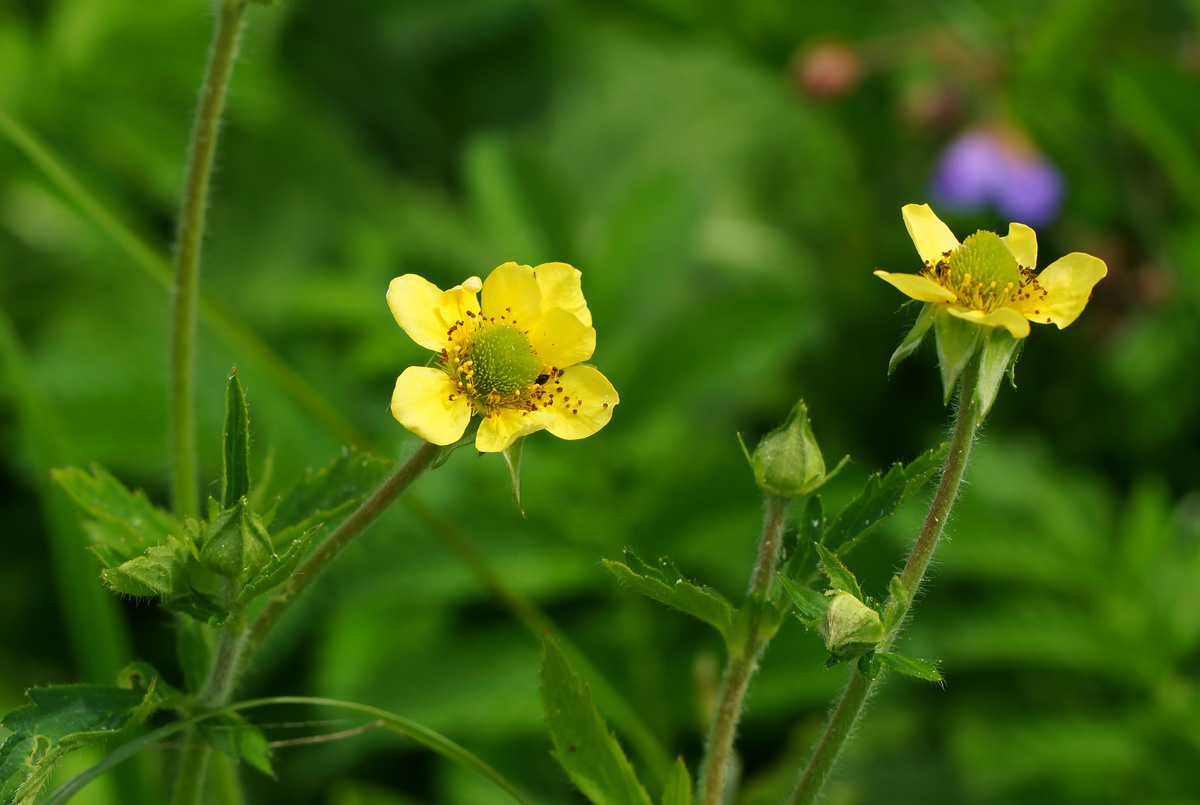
(918, 287)
(512, 291)
(504, 426)
(1004, 317)
(1068, 284)
(562, 340)
(584, 405)
(415, 302)
(1022, 243)
(460, 300)
(932, 238)
(560, 287)
(427, 402)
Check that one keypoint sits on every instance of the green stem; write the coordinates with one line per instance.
(320, 558)
(858, 689)
(236, 645)
(184, 484)
(744, 661)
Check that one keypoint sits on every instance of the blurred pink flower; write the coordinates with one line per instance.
(997, 167)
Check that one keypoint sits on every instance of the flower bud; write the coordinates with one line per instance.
(850, 627)
(236, 545)
(788, 462)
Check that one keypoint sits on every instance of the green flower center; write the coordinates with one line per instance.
(981, 272)
(502, 362)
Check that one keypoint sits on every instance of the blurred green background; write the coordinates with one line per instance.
(726, 193)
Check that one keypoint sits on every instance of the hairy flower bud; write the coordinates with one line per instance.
(788, 461)
(850, 627)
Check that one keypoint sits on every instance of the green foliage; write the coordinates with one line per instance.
(810, 604)
(583, 745)
(232, 734)
(909, 666)
(59, 720)
(882, 495)
(840, 578)
(667, 585)
(322, 498)
(678, 790)
(235, 453)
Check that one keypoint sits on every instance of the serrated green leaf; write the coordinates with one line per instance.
(879, 499)
(810, 527)
(235, 453)
(126, 522)
(232, 734)
(160, 572)
(810, 604)
(324, 497)
(910, 666)
(667, 585)
(840, 578)
(678, 790)
(583, 745)
(59, 720)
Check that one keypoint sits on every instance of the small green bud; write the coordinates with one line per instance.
(236, 545)
(850, 627)
(788, 461)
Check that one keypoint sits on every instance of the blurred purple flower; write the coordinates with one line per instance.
(985, 167)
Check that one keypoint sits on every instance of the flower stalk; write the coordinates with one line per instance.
(968, 416)
(186, 290)
(237, 645)
(743, 660)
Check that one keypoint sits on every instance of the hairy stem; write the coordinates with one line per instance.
(330, 547)
(236, 644)
(744, 661)
(184, 473)
(858, 689)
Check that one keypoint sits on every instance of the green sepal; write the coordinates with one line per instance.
(840, 578)
(879, 499)
(667, 585)
(125, 523)
(235, 736)
(583, 744)
(997, 359)
(235, 442)
(512, 459)
(58, 720)
(810, 604)
(160, 572)
(323, 498)
(910, 666)
(956, 343)
(915, 336)
(897, 606)
(678, 790)
(236, 545)
(276, 572)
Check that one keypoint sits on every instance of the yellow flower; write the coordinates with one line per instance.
(990, 280)
(514, 359)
